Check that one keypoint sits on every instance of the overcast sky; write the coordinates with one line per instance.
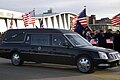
(100, 8)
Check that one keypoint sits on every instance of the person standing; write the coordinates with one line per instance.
(116, 41)
(93, 40)
(86, 34)
(101, 39)
(109, 39)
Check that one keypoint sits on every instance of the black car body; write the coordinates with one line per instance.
(55, 46)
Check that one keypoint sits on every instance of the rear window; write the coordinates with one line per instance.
(14, 36)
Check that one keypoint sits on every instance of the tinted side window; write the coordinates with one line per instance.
(58, 40)
(40, 39)
(14, 36)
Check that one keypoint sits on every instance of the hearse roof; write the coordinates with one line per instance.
(19, 34)
(40, 31)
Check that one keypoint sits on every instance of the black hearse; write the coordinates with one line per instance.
(55, 46)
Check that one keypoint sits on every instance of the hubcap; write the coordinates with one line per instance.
(16, 59)
(84, 64)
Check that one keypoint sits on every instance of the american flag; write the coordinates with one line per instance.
(109, 40)
(116, 20)
(82, 22)
(31, 20)
(93, 41)
(83, 18)
(73, 23)
(27, 19)
(11, 23)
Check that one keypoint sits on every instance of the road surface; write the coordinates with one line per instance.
(33, 71)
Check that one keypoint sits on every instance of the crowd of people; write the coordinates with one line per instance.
(108, 39)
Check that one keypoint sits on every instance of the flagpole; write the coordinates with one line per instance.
(34, 12)
(87, 20)
(87, 17)
(33, 15)
(84, 6)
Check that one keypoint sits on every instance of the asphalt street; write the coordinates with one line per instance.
(33, 71)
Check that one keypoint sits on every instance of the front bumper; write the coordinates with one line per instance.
(112, 61)
(106, 63)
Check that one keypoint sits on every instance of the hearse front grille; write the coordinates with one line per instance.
(114, 56)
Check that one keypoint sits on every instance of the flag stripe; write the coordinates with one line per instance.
(73, 23)
(116, 20)
(27, 19)
(83, 21)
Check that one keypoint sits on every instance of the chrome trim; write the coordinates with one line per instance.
(114, 56)
(104, 65)
(49, 54)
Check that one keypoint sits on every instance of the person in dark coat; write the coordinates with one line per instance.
(109, 39)
(93, 40)
(116, 41)
(86, 34)
(101, 39)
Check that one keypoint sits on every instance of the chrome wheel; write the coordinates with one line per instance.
(85, 64)
(16, 59)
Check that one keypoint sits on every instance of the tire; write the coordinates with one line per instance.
(16, 59)
(85, 64)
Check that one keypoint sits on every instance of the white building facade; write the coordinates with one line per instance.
(57, 20)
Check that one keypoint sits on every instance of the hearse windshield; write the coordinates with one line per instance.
(77, 40)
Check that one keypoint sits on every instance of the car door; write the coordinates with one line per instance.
(28, 50)
(62, 51)
(40, 44)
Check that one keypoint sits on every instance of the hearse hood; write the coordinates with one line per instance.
(101, 49)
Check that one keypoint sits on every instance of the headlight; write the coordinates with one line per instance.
(102, 55)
